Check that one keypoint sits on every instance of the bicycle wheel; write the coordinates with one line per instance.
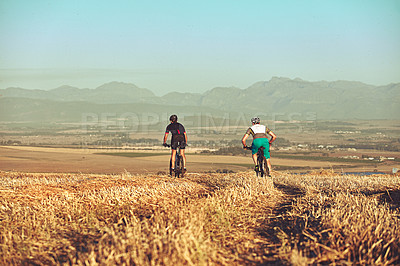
(260, 166)
(177, 165)
(181, 169)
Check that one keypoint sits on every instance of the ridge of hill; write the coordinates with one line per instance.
(109, 93)
(292, 97)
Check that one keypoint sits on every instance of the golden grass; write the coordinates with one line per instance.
(342, 219)
(145, 220)
(204, 219)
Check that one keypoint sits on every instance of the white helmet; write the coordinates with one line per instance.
(255, 120)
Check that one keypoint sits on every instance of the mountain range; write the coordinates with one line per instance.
(341, 100)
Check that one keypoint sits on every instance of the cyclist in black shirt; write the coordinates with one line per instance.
(179, 138)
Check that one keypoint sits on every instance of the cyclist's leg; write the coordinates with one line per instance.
(173, 156)
(183, 157)
(182, 163)
(254, 158)
(182, 145)
(269, 166)
(267, 155)
(174, 146)
(265, 144)
(254, 149)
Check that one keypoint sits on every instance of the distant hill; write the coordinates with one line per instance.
(113, 92)
(284, 97)
(39, 110)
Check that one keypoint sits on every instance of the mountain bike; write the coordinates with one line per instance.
(261, 166)
(178, 169)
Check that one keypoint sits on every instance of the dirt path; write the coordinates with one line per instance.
(280, 225)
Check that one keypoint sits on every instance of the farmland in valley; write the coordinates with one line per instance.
(69, 160)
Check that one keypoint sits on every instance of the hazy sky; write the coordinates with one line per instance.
(196, 45)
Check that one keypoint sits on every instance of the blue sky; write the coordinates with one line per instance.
(196, 45)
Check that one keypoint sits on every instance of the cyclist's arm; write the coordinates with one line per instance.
(165, 137)
(244, 139)
(273, 136)
(185, 137)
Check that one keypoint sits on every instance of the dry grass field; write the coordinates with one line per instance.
(202, 219)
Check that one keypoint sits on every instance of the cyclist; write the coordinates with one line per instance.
(179, 138)
(260, 139)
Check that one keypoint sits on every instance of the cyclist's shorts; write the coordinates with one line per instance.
(261, 142)
(178, 140)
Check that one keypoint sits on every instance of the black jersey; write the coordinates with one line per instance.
(175, 129)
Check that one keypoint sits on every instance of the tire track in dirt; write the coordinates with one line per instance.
(281, 226)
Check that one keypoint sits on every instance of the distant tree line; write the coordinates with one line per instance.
(238, 149)
(235, 151)
(119, 142)
(373, 146)
(10, 142)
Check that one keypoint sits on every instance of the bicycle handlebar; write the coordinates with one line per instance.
(169, 146)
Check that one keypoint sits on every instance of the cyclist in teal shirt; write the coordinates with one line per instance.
(260, 139)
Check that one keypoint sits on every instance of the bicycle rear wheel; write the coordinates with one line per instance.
(181, 168)
(260, 167)
(177, 165)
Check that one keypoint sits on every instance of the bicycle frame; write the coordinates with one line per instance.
(178, 167)
(262, 165)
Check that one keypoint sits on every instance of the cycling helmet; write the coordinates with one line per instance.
(255, 120)
(173, 118)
